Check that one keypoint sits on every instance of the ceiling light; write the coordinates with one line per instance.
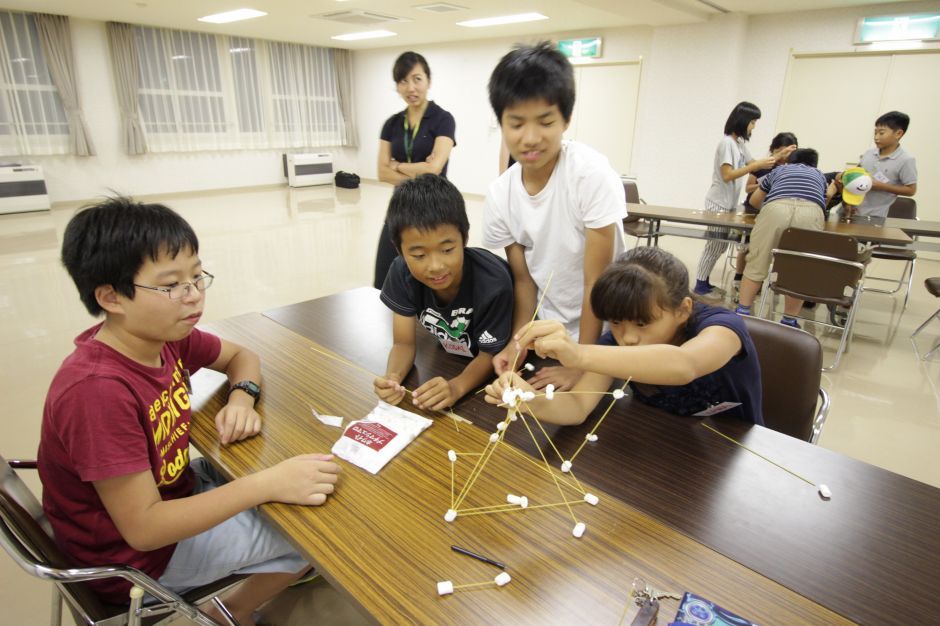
(368, 34)
(232, 16)
(503, 19)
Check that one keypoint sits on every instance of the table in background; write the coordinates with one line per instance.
(876, 539)
(383, 541)
(740, 221)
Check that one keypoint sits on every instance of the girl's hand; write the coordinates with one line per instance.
(762, 164)
(550, 339)
(494, 391)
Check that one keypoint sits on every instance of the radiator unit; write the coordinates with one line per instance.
(22, 189)
(304, 170)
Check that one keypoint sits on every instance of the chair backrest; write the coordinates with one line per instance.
(903, 208)
(826, 268)
(24, 525)
(790, 365)
(633, 197)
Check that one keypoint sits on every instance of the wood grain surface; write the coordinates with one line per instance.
(863, 232)
(383, 541)
(877, 537)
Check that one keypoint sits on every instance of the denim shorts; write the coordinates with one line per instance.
(243, 544)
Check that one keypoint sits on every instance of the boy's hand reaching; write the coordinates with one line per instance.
(236, 422)
(305, 479)
(388, 389)
(435, 395)
(503, 359)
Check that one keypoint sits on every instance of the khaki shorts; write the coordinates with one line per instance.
(774, 218)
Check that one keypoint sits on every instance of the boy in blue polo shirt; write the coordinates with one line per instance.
(462, 296)
(893, 170)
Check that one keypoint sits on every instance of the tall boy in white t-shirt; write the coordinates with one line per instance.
(558, 211)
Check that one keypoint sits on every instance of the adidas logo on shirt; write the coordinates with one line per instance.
(486, 337)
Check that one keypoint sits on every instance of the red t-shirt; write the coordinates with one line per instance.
(107, 416)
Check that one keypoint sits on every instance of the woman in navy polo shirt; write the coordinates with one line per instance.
(415, 141)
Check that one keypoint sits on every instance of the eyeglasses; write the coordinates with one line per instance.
(183, 290)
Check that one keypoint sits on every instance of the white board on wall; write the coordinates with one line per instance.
(831, 101)
(604, 114)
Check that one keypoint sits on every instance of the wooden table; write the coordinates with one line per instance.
(383, 541)
(658, 214)
(876, 539)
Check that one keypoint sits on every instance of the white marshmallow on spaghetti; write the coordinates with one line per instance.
(591, 499)
(529, 367)
(566, 466)
(549, 391)
(445, 587)
(578, 529)
(502, 578)
(618, 393)
(824, 491)
(591, 437)
(450, 516)
(452, 456)
(494, 437)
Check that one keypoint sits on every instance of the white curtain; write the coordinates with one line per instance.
(199, 91)
(56, 39)
(32, 117)
(125, 69)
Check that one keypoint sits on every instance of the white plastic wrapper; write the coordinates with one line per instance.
(372, 442)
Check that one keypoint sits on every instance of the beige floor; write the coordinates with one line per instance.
(274, 246)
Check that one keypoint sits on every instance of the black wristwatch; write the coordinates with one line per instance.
(249, 387)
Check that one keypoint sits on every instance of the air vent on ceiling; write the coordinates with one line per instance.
(440, 7)
(359, 18)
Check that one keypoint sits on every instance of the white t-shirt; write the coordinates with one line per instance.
(735, 153)
(583, 192)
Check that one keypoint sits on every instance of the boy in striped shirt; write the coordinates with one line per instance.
(790, 196)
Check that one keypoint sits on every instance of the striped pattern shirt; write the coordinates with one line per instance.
(795, 180)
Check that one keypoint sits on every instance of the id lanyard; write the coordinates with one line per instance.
(410, 141)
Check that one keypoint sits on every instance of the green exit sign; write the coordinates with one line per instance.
(586, 48)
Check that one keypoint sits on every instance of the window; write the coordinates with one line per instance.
(32, 118)
(200, 91)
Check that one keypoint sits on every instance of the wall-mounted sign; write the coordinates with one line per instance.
(585, 48)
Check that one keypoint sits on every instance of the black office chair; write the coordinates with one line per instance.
(903, 208)
(26, 536)
(632, 225)
(791, 372)
(821, 267)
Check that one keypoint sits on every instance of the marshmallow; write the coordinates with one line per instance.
(618, 393)
(450, 516)
(513, 417)
(591, 437)
(452, 456)
(524, 502)
(512, 499)
(824, 491)
(528, 396)
(566, 466)
(578, 529)
(549, 391)
(445, 587)
(591, 499)
(501, 426)
(494, 437)
(509, 395)
(502, 578)
(529, 367)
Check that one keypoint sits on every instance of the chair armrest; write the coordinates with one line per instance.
(21, 464)
(821, 414)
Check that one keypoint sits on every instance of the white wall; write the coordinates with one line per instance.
(692, 77)
(82, 178)
(459, 76)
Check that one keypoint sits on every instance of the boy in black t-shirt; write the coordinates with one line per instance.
(463, 296)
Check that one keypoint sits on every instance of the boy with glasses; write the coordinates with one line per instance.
(118, 486)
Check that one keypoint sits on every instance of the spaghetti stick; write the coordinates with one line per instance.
(598, 423)
(547, 465)
(756, 453)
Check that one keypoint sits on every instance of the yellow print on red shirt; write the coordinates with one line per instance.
(167, 427)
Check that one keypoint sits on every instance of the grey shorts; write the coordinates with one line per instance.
(243, 544)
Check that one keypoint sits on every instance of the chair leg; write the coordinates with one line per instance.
(924, 325)
(56, 617)
(910, 281)
(846, 332)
